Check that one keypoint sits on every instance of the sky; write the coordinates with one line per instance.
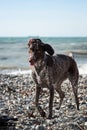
(43, 18)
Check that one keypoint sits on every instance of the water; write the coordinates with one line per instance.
(14, 52)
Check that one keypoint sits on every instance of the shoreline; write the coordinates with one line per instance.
(17, 94)
(11, 70)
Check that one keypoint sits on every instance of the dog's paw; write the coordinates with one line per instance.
(49, 117)
(57, 108)
(42, 113)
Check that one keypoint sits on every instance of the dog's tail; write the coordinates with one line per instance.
(74, 76)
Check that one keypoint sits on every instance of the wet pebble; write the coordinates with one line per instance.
(40, 127)
(17, 99)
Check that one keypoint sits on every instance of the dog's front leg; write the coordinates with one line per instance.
(42, 113)
(51, 101)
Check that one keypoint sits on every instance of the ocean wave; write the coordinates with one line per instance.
(15, 72)
(79, 56)
(82, 71)
(79, 52)
(20, 72)
(14, 52)
(3, 58)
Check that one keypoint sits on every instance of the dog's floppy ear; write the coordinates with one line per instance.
(48, 49)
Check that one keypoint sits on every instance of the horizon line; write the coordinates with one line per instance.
(42, 36)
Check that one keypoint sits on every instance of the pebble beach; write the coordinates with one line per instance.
(17, 99)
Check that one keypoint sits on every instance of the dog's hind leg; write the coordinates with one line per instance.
(73, 77)
(51, 101)
(75, 91)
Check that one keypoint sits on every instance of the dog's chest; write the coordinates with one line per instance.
(44, 76)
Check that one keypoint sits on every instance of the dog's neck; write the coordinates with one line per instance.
(40, 64)
(44, 63)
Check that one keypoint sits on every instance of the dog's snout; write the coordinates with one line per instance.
(31, 61)
(31, 58)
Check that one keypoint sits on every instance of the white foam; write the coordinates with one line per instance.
(83, 69)
(18, 72)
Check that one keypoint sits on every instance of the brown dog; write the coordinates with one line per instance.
(50, 71)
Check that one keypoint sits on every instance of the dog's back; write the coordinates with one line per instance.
(63, 67)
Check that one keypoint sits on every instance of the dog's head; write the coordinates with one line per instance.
(37, 50)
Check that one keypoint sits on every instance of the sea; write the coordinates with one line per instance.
(14, 52)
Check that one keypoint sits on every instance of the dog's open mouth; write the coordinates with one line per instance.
(31, 61)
